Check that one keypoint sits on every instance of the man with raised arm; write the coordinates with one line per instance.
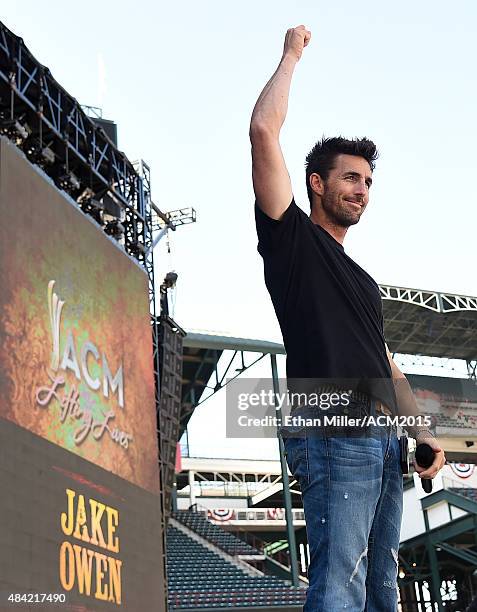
(330, 314)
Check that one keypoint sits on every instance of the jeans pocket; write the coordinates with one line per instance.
(292, 431)
(295, 425)
(297, 458)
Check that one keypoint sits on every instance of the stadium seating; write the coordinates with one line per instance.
(224, 540)
(466, 491)
(452, 422)
(200, 578)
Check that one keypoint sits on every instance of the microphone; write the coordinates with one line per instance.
(425, 457)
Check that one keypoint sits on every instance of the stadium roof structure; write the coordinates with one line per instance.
(419, 322)
(221, 343)
(201, 354)
(416, 322)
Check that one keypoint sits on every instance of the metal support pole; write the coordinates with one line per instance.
(174, 495)
(435, 577)
(472, 368)
(286, 484)
(187, 441)
(191, 488)
(422, 606)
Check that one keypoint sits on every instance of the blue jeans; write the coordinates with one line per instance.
(352, 497)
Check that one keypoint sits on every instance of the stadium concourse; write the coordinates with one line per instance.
(234, 516)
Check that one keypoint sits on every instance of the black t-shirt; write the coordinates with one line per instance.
(329, 309)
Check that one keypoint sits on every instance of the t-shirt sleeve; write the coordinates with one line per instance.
(274, 234)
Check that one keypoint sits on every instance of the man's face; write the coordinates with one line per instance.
(346, 190)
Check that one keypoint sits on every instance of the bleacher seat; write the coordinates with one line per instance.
(200, 578)
(224, 540)
(466, 491)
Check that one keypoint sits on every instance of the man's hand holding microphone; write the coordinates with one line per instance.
(429, 459)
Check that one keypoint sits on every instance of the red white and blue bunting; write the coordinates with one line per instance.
(463, 470)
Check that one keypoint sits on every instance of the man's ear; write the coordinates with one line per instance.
(317, 184)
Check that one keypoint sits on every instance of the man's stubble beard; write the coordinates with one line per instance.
(336, 210)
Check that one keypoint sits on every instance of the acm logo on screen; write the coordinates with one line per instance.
(74, 406)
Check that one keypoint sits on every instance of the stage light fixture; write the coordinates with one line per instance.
(32, 148)
(37, 153)
(112, 205)
(48, 155)
(137, 248)
(22, 130)
(69, 182)
(86, 194)
(15, 130)
(96, 204)
(92, 207)
(115, 229)
(170, 280)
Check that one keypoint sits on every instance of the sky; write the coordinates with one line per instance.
(181, 79)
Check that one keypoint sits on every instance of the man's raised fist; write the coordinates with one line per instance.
(296, 40)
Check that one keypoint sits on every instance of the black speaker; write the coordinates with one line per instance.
(170, 363)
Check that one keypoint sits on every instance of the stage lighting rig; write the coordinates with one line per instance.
(162, 222)
(170, 280)
(181, 216)
(115, 229)
(69, 182)
(172, 218)
(137, 249)
(167, 285)
(91, 206)
(114, 217)
(15, 129)
(48, 155)
(39, 153)
(112, 206)
(106, 210)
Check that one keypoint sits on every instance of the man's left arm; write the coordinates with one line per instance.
(407, 406)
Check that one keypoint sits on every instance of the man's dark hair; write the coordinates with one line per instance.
(322, 157)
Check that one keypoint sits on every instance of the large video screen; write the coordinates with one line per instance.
(80, 510)
(73, 536)
(75, 334)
